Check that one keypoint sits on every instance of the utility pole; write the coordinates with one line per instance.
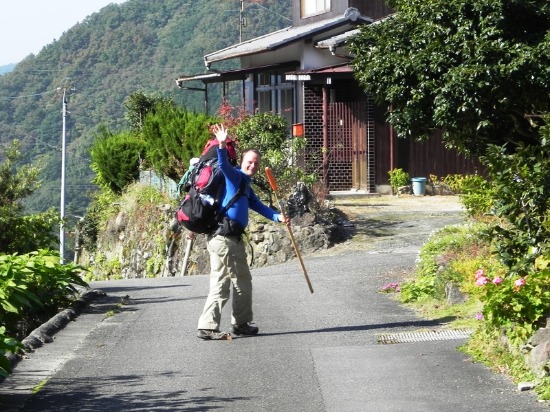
(62, 206)
(241, 22)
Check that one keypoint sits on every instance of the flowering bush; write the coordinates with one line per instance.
(390, 287)
(518, 303)
(449, 256)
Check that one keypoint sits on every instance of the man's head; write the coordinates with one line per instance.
(250, 163)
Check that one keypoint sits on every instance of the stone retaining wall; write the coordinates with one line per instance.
(127, 249)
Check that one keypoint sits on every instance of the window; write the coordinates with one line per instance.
(312, 7)
(275, 96)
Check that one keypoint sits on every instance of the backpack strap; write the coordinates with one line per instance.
(232, 201)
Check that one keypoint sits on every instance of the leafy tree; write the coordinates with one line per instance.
(521, 200)
(173, 136)
(164, 136)
(269, 134)
(139, 105)
(21, 233)
(476, 68)
(116, 159)
(16, 183)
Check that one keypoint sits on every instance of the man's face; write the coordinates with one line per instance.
(250, 163)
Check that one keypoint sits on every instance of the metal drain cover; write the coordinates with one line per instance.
(408, 337)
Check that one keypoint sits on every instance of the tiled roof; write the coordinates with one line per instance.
(337, 68)
(338, 40)
(275, 40)
(235, 74)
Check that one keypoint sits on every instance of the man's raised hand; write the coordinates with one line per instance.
(221, 134)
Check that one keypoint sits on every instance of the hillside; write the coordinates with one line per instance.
(139, 45)
(7, 68)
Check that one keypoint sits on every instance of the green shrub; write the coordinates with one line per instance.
(436, 263)
(173, 136)
(269, 133)
(116, 159)
(476, 194)
(421, 288)
(398, 178)
(7, 345)
(521, 199)
(21, 233)
(454, 181)
(100, 209)
(33, 287)
(474, 190)
(145, 194)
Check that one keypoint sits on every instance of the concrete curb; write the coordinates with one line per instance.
(45, 332)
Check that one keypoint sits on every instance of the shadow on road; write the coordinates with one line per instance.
(129, 392)
(421, 323)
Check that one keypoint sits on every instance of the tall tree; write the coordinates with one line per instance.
(478, 69)
(138, 105)
(116, 159)
(173, 136)
(21, 233)
(16, 183)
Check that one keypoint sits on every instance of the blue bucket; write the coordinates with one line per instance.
(419, 186)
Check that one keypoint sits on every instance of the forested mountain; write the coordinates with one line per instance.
(136, 46)
(7, 68)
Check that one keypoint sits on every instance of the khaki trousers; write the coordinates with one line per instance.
(229, 271)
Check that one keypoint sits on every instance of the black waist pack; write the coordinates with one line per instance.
(228, 227)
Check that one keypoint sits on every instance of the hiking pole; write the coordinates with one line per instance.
(166, 268)
(190, 238)
(273, 185)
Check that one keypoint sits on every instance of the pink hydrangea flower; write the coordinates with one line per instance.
(479, 273)
(482, 280)
(498, 280)
(519, 283)
(391, 286)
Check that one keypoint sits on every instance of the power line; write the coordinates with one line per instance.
(52, 146)
(103, 72)
(28, 95)
(271, 11)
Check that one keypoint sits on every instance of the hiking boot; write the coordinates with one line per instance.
(244, 329)
(209, 334)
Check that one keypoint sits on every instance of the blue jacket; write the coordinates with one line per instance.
(239, 210)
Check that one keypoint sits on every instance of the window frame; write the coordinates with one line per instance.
(319, 9)
(276, 95)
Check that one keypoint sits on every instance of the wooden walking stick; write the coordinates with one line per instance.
(190, 238)
(273, 185)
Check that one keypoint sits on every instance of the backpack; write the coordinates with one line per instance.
(209, 152)
(183, 185)
(199, 211)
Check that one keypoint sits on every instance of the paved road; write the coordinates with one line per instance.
(315, 352)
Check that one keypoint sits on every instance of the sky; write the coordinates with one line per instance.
(28, 25)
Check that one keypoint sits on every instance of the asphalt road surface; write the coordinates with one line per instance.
(136, 348)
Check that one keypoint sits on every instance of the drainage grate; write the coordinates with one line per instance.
(408, 337)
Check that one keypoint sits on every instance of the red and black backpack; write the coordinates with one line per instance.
(200, 210)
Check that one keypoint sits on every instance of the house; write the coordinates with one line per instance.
(303, 72)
